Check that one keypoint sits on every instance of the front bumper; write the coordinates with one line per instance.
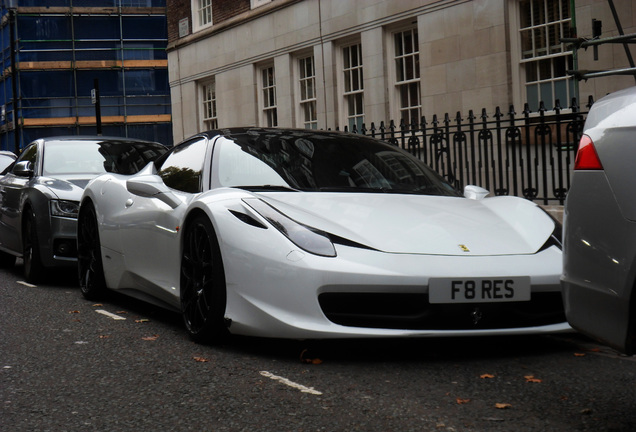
(58, 245)
(365, 293)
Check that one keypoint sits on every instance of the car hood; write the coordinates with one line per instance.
(68, 186)
(422, 224)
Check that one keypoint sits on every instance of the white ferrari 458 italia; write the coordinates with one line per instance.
(304, 234)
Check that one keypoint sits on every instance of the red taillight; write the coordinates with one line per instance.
(586, 157)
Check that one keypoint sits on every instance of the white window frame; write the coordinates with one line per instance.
(352, 96)
(201, 14)
(546, 59)
(267, 96)
(407, 94)
(307, 91)
(209, 111)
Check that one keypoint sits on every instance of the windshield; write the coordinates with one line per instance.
(98, 157)
(322, 162)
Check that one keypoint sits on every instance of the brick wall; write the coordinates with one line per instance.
(177, 10)
(222, 10)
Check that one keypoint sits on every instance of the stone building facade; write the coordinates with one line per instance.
(343, 63)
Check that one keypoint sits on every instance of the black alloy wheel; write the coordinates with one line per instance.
(89, 257)
(33, 268)
(202, 280)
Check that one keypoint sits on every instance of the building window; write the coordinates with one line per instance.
(268, 83)
(210, 120)
(308, 92)
(545, 60)
(136, 3)
(353, 86)
(407, 75)
(203, 11)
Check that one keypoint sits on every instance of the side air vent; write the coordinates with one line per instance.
(247, 219)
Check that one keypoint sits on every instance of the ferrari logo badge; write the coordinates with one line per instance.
(464, 248)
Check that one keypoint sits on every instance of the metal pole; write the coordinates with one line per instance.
(98, 108)
(575, 55)
(621, 32)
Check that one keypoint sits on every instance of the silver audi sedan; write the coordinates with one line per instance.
(599, 248)
(39, 195)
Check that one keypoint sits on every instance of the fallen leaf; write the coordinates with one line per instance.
(142, 320)
(121, 312)
(532, 379)
(74, 312)
(305, 359)
(503, 405)
(579, 354)
(98, 305)
(151, 338)
(462, 401)
(200, 359)
(483, 376)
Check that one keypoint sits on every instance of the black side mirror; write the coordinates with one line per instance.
(23, 169)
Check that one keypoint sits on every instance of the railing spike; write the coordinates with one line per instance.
(542, 109)
(526, 109)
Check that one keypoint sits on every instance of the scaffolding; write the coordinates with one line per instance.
(53, 57)
(576, 43)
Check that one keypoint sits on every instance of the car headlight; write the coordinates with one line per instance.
(64, 208)
(556, 238)
(308, 239)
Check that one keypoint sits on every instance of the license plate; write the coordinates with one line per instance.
(479, 290)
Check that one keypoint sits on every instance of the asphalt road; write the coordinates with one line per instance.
(67, 364)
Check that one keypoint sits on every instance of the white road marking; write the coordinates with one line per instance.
(26, 284)
(109, 314)
(285, 381)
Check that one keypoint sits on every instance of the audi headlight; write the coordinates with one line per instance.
(64, 208)
(308, 239)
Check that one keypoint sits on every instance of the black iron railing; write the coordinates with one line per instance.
(529, 155)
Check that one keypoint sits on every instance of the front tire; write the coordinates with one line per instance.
(203, 291)
(89, 256)
(33, 268)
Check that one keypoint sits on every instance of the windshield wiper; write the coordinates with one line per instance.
(425, 190)
(268, 188)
